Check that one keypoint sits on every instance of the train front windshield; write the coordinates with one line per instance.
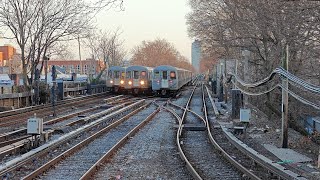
(143, 75)
(128, 74)
(110, 74)
(156, 75)
(117, 74)
(172, 75)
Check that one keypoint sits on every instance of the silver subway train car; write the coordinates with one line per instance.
(138, 79)
(167, 80)
(115, 78)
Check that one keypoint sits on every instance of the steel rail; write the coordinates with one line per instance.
(8, 166)
(258, 158)
(20, 144)
(18, 118)
(89, 174)
(42, 106)
(189, 110)
(218, 147)
(189, 166)
(215, 109)
(81, 144)
(6, 136)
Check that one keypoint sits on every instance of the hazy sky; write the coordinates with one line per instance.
(148, 20)
(142, 20)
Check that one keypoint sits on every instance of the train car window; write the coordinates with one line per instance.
(135, 74)
(156, 74)
(117, 74)
(143, 74)
(128, 74)
(164, 75)
(173, 75)
(110, 74)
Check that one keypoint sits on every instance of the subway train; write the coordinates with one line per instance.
(167, 80)
(138, 80)
(162, 80)
(115, 78)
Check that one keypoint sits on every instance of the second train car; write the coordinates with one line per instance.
(138, 79)
(167, 80)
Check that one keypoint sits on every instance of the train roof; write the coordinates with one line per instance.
(139, 68)
(168, 67)
(112, 68)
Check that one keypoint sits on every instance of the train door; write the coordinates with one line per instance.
(128, 79)
(164, 81)
(117, 78)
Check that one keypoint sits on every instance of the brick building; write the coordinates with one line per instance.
(10, 61)
(88, 66)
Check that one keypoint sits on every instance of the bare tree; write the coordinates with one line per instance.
(225, 27)
(106, 46)
(158, 52)
(37, 25)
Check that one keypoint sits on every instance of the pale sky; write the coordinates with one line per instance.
(142, 20)
(148, 20)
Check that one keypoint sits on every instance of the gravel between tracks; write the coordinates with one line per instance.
(151, 154)
(76, 165)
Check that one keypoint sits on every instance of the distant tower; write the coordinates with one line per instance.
(196, 54)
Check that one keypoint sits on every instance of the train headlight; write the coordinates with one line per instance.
(111, 81)
(122, 82)
(129, 82)
(142, 82)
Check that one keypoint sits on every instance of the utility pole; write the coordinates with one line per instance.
(284, 109)
(80, 55)
(53, 90)
(46, 59)
(246, 54)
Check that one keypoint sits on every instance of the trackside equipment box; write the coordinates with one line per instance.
(245, 115)
(35, 126)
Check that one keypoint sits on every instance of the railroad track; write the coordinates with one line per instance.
(51, 149)
(45, 111)
(250, 163)
(69, 122)
(148, 155)
(200, 157)
(83, 159)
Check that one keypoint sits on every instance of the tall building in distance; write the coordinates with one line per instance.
(196, 54)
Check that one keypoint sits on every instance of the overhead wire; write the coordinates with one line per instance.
(293, 80)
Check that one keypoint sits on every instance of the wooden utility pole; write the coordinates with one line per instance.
(284, 111)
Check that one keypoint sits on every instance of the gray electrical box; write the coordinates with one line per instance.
(35, 126)
(245, 115)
